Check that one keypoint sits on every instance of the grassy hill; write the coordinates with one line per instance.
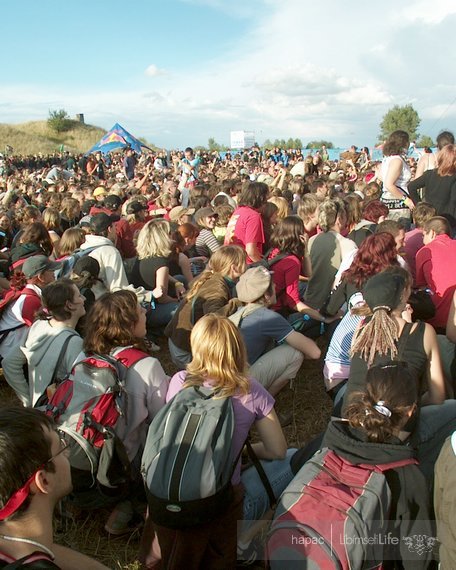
(36, 136)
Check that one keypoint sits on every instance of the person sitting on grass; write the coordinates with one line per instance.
(34, 477)
(262, 328)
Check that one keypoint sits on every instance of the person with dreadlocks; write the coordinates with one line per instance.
(385, 335)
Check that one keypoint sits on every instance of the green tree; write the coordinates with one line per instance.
(425, 140)
(319, 144)
(267, 144)
(294, 143)
(59, 121)
(403, 118)
(212, 144)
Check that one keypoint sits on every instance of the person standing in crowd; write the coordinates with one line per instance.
(189, 177)
(129, 164)
(396, 175)
(440, 184)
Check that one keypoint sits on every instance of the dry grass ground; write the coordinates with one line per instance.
(36, 136)
(86, 534)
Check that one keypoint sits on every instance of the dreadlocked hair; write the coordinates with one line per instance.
(376, 336)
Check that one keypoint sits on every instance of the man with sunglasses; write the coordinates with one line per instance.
(34, 477)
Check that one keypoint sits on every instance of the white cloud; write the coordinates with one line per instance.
(327, 70)
(428, 12)
(154, 71)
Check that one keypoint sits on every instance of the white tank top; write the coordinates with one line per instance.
(401, 182)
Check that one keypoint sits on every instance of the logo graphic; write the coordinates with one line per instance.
(419, 543)
(112, 137)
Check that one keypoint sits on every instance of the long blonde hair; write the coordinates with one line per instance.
(154, 240)
(219, 355)
(220, 262)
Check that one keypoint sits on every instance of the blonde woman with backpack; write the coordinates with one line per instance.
(219, 364)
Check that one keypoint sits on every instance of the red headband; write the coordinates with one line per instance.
(17, 499)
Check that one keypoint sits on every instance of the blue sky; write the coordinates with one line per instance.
(180, 71)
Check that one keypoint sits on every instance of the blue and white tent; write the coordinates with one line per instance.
(116, 138)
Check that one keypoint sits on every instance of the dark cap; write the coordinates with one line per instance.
(100, 223)
(135, 207)
(112, 202)
(384, 291)
(87, 263)
(204, 213)
(38, 264)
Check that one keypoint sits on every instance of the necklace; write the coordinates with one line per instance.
(45, 549)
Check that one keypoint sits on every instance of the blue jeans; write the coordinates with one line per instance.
(256, 501)
(435, 424)
(179, 357)
(161, 315)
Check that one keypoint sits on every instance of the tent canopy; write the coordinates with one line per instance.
(116, 138)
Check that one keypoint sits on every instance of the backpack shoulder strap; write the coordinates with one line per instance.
(61, 356)
(261, 473)
(396, 464)
(130, 356)
(244, 312)
(276, 258)
(403, 340)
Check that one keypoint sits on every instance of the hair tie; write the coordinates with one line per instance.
(380, 307)
(382, 409)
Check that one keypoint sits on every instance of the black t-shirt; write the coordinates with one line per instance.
(144, 272)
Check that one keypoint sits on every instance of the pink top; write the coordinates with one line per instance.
(248, 409)
(245, 226)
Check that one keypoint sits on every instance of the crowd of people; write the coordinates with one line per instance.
(239, 267)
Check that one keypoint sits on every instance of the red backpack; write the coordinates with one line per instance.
(9, 299)
(86, 406)
(331, 515)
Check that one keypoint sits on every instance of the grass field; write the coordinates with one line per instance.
(311, 407)
(36, 136)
